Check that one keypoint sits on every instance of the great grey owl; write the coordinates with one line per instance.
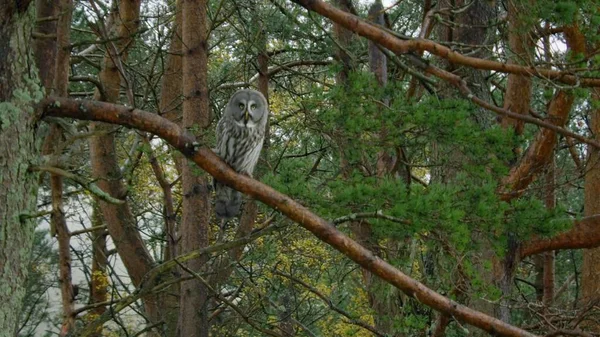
(240, 135)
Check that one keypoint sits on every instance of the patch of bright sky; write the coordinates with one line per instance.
(386, 3)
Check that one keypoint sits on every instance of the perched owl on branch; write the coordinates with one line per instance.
(240, 135)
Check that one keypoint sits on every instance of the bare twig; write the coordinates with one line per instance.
(228, 302)
(327, 300)
(91, 187)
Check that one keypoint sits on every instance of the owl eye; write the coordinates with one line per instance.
(241, 106)
(253, 106)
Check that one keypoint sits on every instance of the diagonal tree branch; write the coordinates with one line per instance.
(207, 160)
(392, 42)
(540, 152)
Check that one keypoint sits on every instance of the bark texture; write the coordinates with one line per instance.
(193, 309)
(518, 89)
(45, 43)
(540, 151)
(64, 256)
(468, 29)
(590, 273)
(19, 92)
(344, 38)
(171, 86)
(55, 19)
(63, 48)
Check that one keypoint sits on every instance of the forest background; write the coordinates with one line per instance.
(447, 165)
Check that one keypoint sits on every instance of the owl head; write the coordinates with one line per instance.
(248, 108)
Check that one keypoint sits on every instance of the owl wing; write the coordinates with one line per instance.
(220, 137)
(251, 159)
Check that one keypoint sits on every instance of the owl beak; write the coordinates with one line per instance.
(246, 116)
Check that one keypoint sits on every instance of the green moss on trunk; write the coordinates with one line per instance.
(19, 148)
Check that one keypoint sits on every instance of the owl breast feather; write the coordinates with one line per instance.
(239, 147)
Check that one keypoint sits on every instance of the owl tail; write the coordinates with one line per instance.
(227, 201)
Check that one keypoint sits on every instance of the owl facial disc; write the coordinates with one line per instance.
(248, 113)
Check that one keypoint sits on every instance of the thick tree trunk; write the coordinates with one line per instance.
(55, 20)
(590, 273)
(344, 38)
(19, 92)
(45, 43)
(470, 29)
(518, 89)
(63, 48)
(193, 314)
(170, 89)
(119, 219)
(378, 66)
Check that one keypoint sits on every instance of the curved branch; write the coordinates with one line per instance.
(398, 46)
(211, 163)
(584, 234)
(90, 79)
(540, 152)
(461, 85)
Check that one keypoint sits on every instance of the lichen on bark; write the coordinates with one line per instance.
(19, 147)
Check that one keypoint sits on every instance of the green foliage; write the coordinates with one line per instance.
(464, 213)
(353, 115)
